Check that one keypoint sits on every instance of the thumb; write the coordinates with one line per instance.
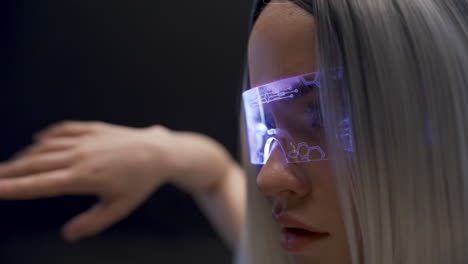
(95, 220)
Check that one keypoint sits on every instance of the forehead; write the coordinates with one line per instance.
(282, 44)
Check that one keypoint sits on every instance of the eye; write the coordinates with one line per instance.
(313, 115)
(270, 121)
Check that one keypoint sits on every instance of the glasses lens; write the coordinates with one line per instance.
(286, 115)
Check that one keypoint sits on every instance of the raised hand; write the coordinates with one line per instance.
(121, 165)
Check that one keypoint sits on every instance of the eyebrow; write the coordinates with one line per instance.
(297, 88)
(303, 89)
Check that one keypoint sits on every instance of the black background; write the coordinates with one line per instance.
(128, 62)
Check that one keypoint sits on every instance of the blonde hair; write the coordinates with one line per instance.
(404, 189)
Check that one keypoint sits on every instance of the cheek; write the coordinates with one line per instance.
(328, 198)
(331, 200)
(320, 176)
(325, 202)
(325, 195)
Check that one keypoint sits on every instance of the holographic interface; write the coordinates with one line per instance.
(285, 116)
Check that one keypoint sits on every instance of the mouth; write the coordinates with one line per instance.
(295, 235)
(296, 239)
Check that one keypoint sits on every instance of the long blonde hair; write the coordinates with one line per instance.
(404, 189)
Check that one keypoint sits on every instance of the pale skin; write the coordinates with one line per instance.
(282, 44)
(123, 166)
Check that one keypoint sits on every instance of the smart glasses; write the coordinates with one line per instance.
(285, 115)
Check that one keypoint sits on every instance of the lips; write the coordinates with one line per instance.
(295, 240)
(295, 236)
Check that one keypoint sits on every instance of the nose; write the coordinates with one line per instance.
(278, 176)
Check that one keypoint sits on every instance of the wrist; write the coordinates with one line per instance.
(165, 148)
(197, 162)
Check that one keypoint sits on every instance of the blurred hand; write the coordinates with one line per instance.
(121, 165)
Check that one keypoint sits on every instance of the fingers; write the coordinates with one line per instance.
(69, 129)
(51, 145)
(43, 185)
(95, 220)
(36, 164)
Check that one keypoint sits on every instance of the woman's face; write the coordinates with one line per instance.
(303, 195)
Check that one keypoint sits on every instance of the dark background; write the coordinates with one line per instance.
(128, 62)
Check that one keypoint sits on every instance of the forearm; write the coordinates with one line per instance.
(206, 170)
(225, 205)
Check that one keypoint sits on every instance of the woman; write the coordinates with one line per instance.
(374, 89)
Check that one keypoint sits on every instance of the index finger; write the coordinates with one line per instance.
(43, 185)
(66, 129)
(35, 164)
